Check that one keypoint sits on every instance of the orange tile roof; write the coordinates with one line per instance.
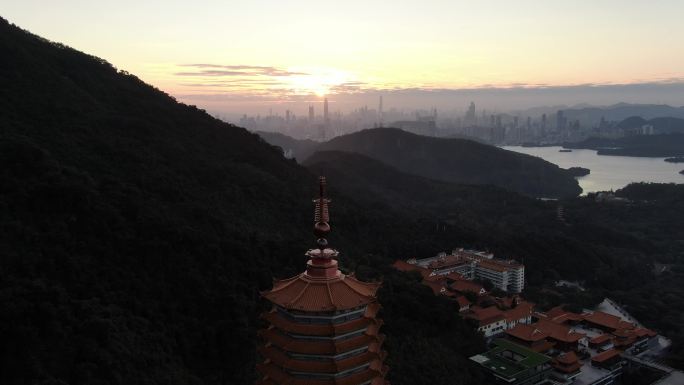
(454, 276)
(466, 286)
(328, 347)
(437, 287)
(405, 266)
(331, 329)
(605, 356)
(499, 265)
(433, 277)
(485, 316)
(600, 339)
(527, 333)
(558, 332)
(641, 332)
(286, 362)
(567, 358)
(567, 363)
(270, 371)
(446, 261)
(305, 293)
(607, 320)
(520, 311)
(462, 301)
(559, 315)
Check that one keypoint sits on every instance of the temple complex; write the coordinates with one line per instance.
(323, 326)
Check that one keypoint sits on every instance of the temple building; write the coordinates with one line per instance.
(323, 326)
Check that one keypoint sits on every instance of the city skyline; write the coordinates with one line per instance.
(252, 56)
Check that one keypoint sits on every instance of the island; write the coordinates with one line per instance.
(578, 171)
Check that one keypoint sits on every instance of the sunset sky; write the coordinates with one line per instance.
(242, 54)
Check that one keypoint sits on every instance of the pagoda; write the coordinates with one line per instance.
(323, 326)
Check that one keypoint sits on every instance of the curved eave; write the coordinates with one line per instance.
(331, 329)
(329, 347)
(330, 366)
(304, 293)
(272, 374)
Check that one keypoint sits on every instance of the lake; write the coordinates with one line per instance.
(608, 172)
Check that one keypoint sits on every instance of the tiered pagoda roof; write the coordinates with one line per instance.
(323, 327)
(306, 293)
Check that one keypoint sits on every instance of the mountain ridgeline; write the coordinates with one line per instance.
(137, 232)
(458, 161)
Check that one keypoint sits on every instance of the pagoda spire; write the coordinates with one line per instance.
(321, 215)
(323, 328)
(322, 263)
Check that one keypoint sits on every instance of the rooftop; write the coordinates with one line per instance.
(485, 316)
(521, 310)
(508, 359)
(605, 356)
(306, 293)
(527, 333)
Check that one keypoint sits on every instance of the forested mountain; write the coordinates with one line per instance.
(636, 145)
(295, 148)
(459, 161)
(137, 232)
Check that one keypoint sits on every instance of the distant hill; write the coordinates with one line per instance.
(637, 145)
(621, 111)
(663, 125)
(293, 148)
(458, 160)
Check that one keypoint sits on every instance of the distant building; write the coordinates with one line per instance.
(507, 275)
(470, 119)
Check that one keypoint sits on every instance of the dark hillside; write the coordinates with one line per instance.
(136, 232)
(458, 161)
(299, 149)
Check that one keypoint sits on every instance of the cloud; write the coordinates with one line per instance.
(237, 70)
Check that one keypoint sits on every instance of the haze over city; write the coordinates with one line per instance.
(259, 56)
(342, 193)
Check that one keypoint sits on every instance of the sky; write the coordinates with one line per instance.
(235, 56)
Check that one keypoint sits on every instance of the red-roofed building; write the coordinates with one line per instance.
(463, 303)
(566, 367)
(562, 316)
(490, 320)
(467, 286)
(323, 326)
(602, 342)
(607, 360)
(563, 337)
(520, 313)
(405, 266)
(606, 322)
(531, 337)
(437, 287)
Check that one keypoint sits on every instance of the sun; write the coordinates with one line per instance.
(319, 82)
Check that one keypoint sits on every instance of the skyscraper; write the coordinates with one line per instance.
(326, 117)
(470, 118)
(323, 326)
(311, 113)
(381, 116)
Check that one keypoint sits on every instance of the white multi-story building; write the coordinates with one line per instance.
(507, 275)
